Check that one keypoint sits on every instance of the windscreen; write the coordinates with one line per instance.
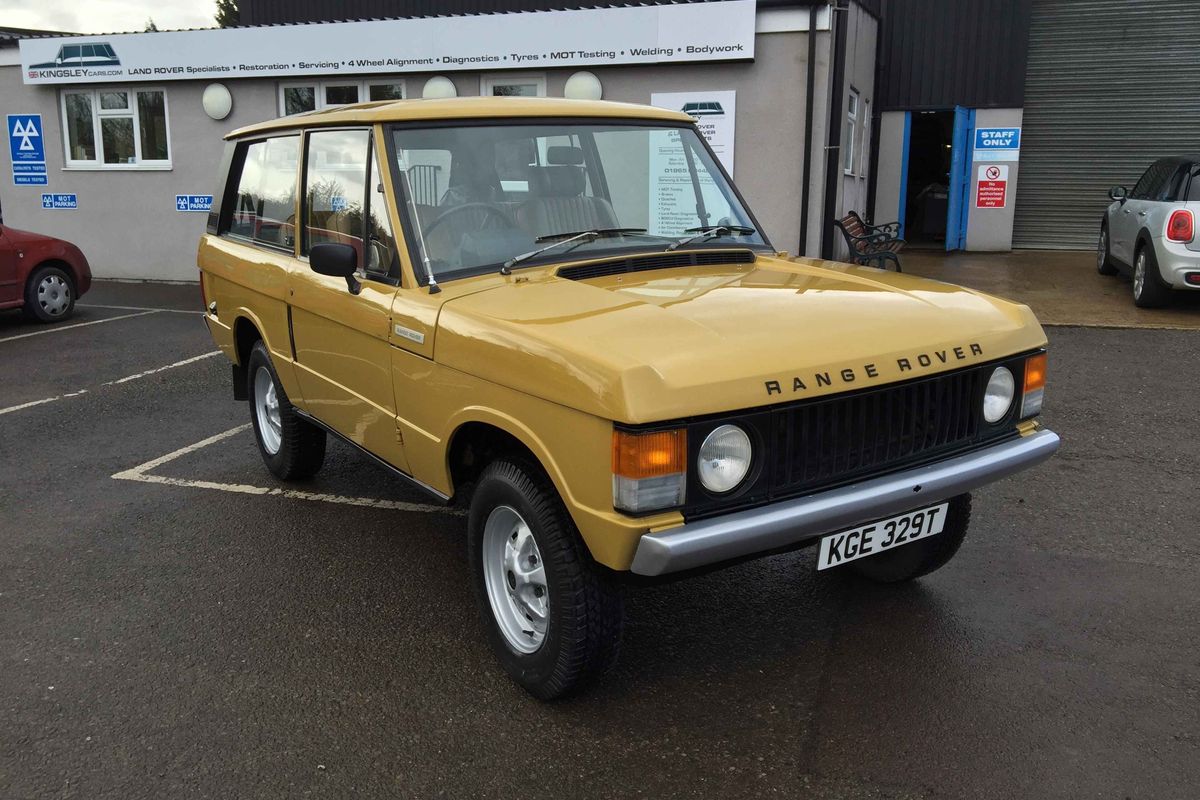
(477, 196)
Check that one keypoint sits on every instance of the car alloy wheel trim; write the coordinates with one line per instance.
(54, 295)
(266, 409)
(1139, 274)
(515, 578)
(1101, 248)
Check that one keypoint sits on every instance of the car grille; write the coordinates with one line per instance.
(830, 441)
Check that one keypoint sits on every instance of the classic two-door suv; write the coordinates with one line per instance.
(562, 316)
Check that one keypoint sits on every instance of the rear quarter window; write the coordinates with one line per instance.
(264, 205)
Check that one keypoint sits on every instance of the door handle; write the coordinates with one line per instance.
(1126, 211)
(1141, 213)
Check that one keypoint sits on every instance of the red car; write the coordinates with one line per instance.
(41, 275)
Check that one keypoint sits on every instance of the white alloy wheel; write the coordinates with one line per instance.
(515, 579)
(54, 295)
(1139, 274)
(266, 406)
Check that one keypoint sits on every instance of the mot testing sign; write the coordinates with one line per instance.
(27, 149)
(193, 202)
(992, 189)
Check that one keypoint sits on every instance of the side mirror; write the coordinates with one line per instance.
(1118, 193)
(336, 261)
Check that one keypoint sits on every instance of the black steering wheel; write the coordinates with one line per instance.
(487, 209)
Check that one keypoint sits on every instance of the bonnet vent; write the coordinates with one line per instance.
(620, 266)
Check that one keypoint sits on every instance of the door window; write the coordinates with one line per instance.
(335, 189)
(265, 210)
(1154, 182)
(1193, 194)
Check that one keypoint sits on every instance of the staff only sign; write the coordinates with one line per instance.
(719, 31)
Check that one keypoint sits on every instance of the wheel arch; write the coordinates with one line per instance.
(479, 435)
(246, 331)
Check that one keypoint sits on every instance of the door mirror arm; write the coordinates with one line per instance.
(337, 261)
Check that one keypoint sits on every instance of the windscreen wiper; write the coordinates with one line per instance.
(581, 237)
(706, 232)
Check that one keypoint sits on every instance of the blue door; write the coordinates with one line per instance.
(960, 178)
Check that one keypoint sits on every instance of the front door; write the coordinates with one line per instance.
(343, 357)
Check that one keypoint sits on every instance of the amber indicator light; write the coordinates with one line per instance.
(1035, 372)
(648, 455)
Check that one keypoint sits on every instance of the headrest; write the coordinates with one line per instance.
(564, 155)
(562, 181)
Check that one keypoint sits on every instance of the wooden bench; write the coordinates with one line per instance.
(871, 245)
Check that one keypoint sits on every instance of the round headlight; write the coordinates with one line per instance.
(724, 459)
(998, 397)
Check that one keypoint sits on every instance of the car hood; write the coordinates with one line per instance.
(675, 343)
(17, 236)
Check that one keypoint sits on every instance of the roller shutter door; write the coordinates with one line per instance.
(1111, 86)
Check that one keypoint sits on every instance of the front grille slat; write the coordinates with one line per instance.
(839, 438)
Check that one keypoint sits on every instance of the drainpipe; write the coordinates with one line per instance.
(806, 166)
(833, 172)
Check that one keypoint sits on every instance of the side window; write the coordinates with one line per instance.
(335, 186)
(1153, 182)
(1177, 184)
(381, 252)
(265, 208)
(1193, 195)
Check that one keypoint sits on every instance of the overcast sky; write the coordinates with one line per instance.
(106, 16)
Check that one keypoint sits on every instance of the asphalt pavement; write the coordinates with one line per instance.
(192, 628)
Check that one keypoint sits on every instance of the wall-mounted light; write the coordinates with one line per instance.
(583, 86)
(217, 101)
(439, 86)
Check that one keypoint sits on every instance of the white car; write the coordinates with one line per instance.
(1150, 232)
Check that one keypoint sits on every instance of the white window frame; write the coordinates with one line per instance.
(489, 81)
(319, 86)
(853, 107)
(132, 112)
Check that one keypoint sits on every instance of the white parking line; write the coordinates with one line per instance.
(137, 375)
(140, 473)
(61, 328)
(32, 403)
(140, 308)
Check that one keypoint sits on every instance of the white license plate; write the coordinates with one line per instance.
(886, 534)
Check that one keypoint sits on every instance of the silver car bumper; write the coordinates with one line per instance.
(743, 533)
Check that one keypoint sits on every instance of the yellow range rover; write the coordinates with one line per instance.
(561, 316)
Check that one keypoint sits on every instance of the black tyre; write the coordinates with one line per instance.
(291, 446)
(552, 615)
(1149, 291)
(49, 294)
(1104, 262)
(922, 557)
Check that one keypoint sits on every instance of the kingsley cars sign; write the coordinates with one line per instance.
(719, 31)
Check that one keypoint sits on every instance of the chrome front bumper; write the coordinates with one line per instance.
(743, 533)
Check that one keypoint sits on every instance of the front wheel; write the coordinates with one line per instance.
(291, 447)
(1104, 263)
(552, 617)
(49, 294)
(922, 557)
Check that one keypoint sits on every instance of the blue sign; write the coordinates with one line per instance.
(25, 138)
(30, 180)
(193, 202)
(997, 138)
(60, 201)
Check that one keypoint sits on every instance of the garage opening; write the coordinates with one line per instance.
(927, 197)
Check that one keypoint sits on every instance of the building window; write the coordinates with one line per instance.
(301, 96)
(850, 135)
(116, 128)
(512, 85)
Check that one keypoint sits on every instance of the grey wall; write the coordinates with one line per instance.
(128, 227)
(992, 228)
(887, 166)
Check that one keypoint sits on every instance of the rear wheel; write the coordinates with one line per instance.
(1104, 264)
(1149, 291)
(552, 616)
(49, 294)
(923, 556)
(291, 446)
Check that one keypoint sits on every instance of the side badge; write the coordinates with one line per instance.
(409, 333)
